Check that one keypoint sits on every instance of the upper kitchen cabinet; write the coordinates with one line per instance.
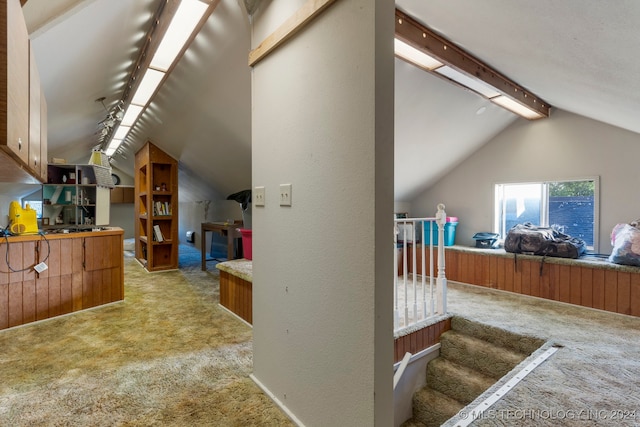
(35, 110)
(43, 136)
(20, 121)
(15, 58)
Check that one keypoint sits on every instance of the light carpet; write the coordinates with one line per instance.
(592, 380)
(168, 355)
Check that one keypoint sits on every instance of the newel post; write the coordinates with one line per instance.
(441, 281)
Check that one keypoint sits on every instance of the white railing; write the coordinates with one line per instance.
(418, 297)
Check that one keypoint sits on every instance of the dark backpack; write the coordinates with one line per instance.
(534, 240)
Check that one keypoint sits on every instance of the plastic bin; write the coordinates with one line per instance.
(449, 232)
(246, 243)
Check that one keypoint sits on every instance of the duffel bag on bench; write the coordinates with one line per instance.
(535, 240)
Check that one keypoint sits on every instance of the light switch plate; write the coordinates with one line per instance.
(258, 196)
(285, 194)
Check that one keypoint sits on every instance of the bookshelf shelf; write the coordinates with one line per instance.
(156, 206)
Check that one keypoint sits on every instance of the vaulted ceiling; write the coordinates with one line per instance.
(578, 55)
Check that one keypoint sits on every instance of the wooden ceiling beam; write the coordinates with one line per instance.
(422, 38)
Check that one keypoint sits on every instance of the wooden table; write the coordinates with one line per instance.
(224, 229)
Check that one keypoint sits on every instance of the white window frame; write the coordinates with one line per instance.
(33, 197)
(544, 208)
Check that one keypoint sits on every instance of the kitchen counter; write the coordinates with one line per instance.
(60, 233)
(84, 269)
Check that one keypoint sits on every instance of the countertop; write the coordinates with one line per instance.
(101, 231)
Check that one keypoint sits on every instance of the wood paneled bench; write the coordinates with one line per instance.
(588, 282)
(236, 284)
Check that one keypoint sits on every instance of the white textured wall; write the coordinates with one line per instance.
(565, 146)
(322, 268)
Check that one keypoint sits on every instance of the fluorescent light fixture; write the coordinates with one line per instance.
(428, 50)
(516, 107)
(148, 86)
(469, 82)
(180, 29)
(415, 56)
(187, 14)
(131, 115)
(110, 151)
(114, 144)
(122, 132)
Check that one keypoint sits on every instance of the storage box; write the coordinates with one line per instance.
(449, 232)
(246, 243)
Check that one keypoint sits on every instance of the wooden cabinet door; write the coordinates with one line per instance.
(102, 252)
(17, 81)
(43, 137)
(34, 116)
(117, 195)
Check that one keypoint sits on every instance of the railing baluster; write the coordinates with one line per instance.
(424, 275)
(423, 306)
(441, 282)
(396, 320)
(414, 272)
(404, 275)
(431, 290)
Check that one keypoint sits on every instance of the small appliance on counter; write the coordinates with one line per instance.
(22, 221)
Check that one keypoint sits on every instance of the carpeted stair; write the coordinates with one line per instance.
(472, 358)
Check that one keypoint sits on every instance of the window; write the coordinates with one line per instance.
(569, 206)
(34, 201)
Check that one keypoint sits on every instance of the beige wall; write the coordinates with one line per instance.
(323, 122)
(565, 146)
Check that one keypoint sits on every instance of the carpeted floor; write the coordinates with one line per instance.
(168, 355)
(594, 377)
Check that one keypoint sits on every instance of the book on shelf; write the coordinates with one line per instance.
(161, 208)
(157, 233)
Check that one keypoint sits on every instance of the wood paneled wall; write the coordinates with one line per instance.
(600, 286)
(420, 339)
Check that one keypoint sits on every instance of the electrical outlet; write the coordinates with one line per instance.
(285, 194)
(258, 196)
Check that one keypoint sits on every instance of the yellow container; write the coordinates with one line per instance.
(22, 221)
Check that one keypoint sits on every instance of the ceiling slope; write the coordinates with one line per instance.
(578, 55)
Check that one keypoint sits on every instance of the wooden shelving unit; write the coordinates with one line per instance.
(87, 203)
(156, 208)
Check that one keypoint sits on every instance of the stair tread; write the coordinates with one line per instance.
(523, 344)
(473, 356)
(433, 408)
(457, 381)
(412, 423)
(483, 356)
